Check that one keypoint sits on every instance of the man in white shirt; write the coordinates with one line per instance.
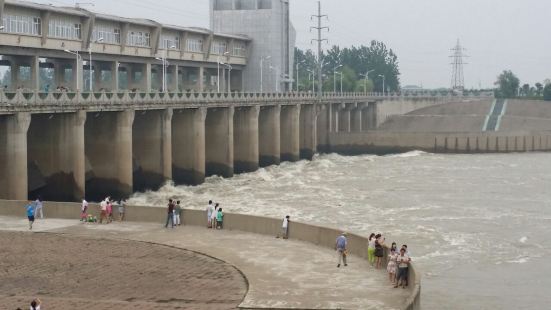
(103, 211)
(38, 208)
(210, 211)
(285, 228)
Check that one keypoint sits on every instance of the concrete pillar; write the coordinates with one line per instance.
(13, 156)
(108, 138)
(15, 83)
(356, 120)
(308, 131)
(245, 138)
(56, 156)
(97, 84)
(152, 149)
(115, 76)
(35, 73)
(59, 73)
(146, 78)
(269, 132)
(78, 75)
(290, 133)
(344, 120)
(188, 146)
(219, 142)
(369, 117)
(323, 127)
(200, 80)
(334, 118)
(174, 83)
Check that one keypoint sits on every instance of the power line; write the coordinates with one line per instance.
(320, 40)
(458, 78)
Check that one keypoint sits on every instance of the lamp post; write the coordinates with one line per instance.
(341, 75)
(165, 65)
(297, 78)
(276, 70)
(76, 66)
(90, 64)
(313, 73)
(218, 69)
(262, 59)
(366, 75)
(229, 75)
(380, 75)
(335, 78)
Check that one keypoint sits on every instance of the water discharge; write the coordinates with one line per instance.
(477, 226)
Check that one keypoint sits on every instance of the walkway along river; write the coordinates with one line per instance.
(477, 225)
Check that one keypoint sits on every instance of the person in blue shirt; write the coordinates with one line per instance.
(30, 215)
(341, 247)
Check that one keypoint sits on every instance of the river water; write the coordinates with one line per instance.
(478, 226)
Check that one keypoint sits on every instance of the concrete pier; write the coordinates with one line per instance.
(323, 121)
(13, 157)
(344, 119)
(108, 148)
(308, 131)
(269, 131)
(369, 117)
(151, 149)
(188, 146)
(245, 139)
(219, 142)
(356, 118)
(56, 156)
(290, 133)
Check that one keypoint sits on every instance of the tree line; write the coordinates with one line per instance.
(354, 63)
(509, 86)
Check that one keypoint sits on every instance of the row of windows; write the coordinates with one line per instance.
(22, 24)
(64, 29)
(194, 45)
(68, 30)
(108, 34)
(223, 5)
(138, 38)
(219, 47)
(170, 42)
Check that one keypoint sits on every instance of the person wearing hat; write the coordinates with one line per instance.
(341, 247)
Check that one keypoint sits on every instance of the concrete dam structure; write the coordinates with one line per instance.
(66, 146)
(463, 126)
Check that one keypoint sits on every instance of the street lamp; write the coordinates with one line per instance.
(380, 75)
(218, 68)
(366, 75)
(90, 64)
(313, 73)
(297, 78)
(229, 75)
(278, 75)
(165, 65)
(76, 66)
(335, 78)
(262, 59)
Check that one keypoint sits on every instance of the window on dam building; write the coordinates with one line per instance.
(227, 5)
(64, 29)
(22, 24)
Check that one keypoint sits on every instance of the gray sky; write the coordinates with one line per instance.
(498, 34)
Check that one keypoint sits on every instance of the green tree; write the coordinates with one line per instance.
(539, 89)
(526, 90)
(547, 93)
(507, 85)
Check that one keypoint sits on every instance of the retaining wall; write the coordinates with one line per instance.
(321, 236)
(399, 142)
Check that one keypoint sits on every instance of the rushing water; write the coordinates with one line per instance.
(478, 226)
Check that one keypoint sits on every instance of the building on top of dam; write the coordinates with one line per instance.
(39, 44)
(267, 22)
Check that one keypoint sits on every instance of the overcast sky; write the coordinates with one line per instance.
(498, 34)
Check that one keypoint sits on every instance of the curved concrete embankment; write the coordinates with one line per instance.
(321, 236)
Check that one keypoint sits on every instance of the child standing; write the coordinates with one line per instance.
(30, 215)
(220, 219)
(214, 215)
(392, 265)
(84, 211)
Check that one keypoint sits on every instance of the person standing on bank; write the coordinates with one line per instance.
(371, 249)
(178, 214)
(35, 304)
(379, 250)
(170, 214)
(220, 219)
(285, 228)
(341, 247)
(210, 211)
(30, 215)
(38, 208)
(122, 209)
(214, 216)
(84, 211)
(403, 268)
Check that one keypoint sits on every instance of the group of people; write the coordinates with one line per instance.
(215, 216)
(398, 261)
(34, 209)
(174, 213)
(35, 304)
(106, 210)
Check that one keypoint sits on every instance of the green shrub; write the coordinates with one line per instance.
(547, 93)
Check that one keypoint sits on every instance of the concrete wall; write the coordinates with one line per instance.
(318, 235)
(388, 108)
(398, 142)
